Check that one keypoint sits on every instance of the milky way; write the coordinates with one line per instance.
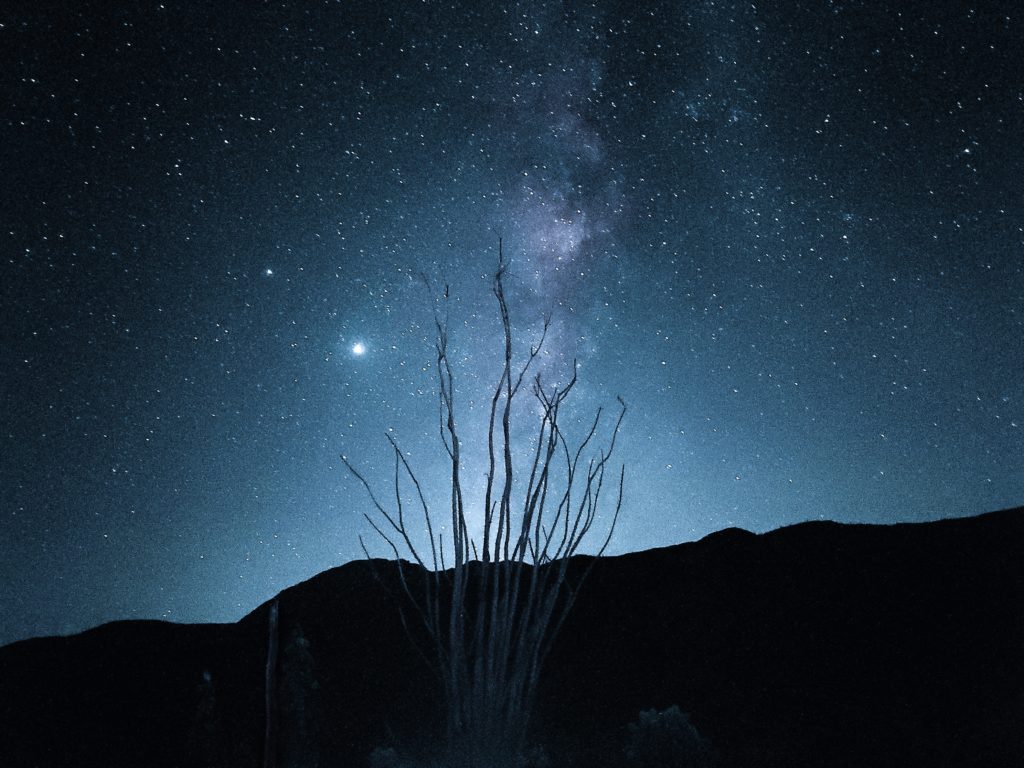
(789, 235)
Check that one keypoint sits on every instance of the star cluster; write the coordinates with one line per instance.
(790, 235)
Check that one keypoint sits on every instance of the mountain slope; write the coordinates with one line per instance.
(817, 644)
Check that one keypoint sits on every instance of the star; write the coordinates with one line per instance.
(697, 239)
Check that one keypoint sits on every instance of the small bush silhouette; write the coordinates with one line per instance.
(667, 739)
(389, 757)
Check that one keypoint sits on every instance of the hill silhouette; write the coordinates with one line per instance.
(816, 644)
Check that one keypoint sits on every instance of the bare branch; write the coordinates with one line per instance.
(492, 622)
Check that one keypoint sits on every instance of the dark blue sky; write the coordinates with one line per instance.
(790, 235)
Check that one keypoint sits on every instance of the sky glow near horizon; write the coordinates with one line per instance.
(789, 235)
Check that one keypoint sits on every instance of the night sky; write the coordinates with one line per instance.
(790, 235)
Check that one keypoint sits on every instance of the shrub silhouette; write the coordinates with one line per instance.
(667, 739)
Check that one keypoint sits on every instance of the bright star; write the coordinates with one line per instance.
(358, 348)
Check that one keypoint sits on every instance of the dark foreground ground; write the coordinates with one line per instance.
(814, 645)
